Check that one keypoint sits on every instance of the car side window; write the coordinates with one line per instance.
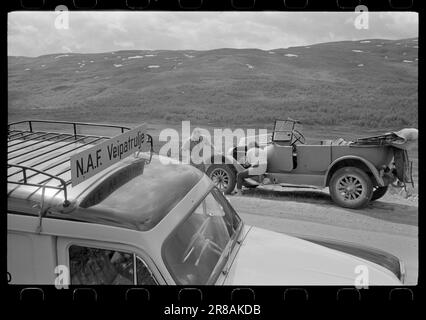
(144, 276)
(94, 266)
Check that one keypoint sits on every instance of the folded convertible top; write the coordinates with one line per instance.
(402, 139)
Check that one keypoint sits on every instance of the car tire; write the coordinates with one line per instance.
(379, 192)
(351, 187)
(223, 176)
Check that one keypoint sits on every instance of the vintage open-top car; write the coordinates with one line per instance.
(355, 172)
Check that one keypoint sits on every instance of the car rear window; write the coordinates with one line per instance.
(139, 197)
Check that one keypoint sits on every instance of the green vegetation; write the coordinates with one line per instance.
(326, 84)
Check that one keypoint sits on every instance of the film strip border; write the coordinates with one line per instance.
(271, 297)
(377, 5)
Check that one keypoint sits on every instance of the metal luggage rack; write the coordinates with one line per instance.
(17, 137)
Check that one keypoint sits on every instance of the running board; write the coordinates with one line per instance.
(252, 182)
(298, 186)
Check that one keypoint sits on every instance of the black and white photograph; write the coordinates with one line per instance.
(212, 148)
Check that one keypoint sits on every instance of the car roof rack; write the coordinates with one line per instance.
(28, 155)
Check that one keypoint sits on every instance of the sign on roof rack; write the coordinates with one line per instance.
(99, 157)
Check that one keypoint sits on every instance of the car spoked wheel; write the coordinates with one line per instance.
(223, 177)
(351, 187)
(220, 178)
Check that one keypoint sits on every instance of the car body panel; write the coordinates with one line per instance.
(287, 260)
(219, 159)
(376, 155)
(313, 158)
(280, 158)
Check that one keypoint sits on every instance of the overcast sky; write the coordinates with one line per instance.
(34, 33)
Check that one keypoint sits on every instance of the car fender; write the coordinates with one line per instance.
(223, 159)
(370, 166)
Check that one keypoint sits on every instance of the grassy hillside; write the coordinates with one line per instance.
(358, 83)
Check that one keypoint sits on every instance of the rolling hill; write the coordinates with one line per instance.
(359, 83)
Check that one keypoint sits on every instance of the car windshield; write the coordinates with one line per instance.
(283, 129)
(198, 248)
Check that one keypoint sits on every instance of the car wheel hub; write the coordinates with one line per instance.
(220, 178)
(350, 188)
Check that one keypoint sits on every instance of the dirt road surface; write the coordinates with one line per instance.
(389, 224)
